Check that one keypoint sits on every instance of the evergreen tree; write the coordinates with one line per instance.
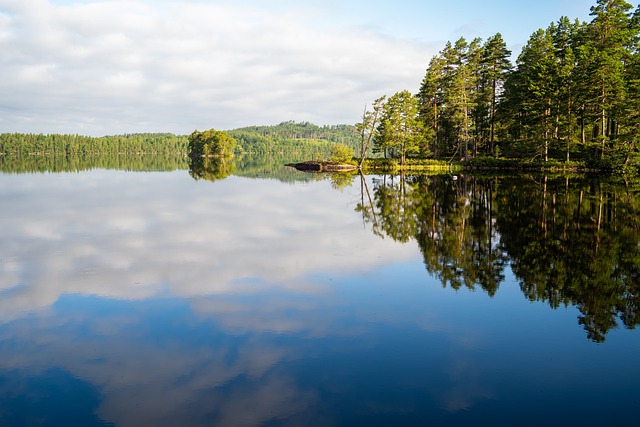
(478, 96)
(496, 66)
(566, 39)
(575, 86)
(630, 117)
(602, 57)
(400, 132)
(430, 101)
(458, 93)
(533, 89)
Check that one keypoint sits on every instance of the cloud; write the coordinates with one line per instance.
(180, 383)
(166, 236)
(249, 258)
(184, 301)
(115, 66)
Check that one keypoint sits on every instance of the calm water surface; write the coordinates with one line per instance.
(154, 299)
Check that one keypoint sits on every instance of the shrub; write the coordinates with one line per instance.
(341, 154)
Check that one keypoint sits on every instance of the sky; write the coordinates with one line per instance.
(104, 67)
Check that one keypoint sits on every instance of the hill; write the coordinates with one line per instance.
(294, 136)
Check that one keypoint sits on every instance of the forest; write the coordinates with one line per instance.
(56, 145)
(573, 95)
(295, 137)
(290, 137)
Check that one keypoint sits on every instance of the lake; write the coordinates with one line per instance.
(246, 295)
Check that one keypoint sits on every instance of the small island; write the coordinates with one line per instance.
(322, 166)
(340, 160)
(211, 143)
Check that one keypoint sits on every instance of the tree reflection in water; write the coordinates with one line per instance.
(211, 168)
(568, 241)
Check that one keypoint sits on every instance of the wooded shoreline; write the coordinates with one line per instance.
(416, 165)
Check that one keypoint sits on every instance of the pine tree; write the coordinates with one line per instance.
(430, 101)
(458, 93)
(630, 107)
(400, 131)
(608, 37)
(533, 88)
(496, 66)
(566, 39)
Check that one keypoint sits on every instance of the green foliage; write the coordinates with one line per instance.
(573, 95)
(18, 144)
(494, 163)
(400, 132)
(459, 96)
(569, 90)
(385, 164)
(495, 68)
(341, 154)
(411, 164)
(211, 143)
(292, 137)
(57, 153)
(487, 162)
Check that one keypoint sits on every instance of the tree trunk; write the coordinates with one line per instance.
(583, 137)
(492, 113)
(602, 118)
(466, 128)
(569, 125)
(435, 128)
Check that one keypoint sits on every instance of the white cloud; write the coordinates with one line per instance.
(251, 258)
(181, 65)
(116, 66)
(141, 384)
(110, 237)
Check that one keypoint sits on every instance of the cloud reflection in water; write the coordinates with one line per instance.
(175, 298)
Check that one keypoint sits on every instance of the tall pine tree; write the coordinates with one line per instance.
(602, 59)
(496, 66)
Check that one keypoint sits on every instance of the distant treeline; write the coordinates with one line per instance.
(20, 144)
(262, 166)
(294, 137)
(288, 138)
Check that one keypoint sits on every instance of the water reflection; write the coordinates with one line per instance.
(121, 235)
(569, 241)
(170, 296)
(152, 364)
(64, 163)
(155, 299)
(211, 169)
